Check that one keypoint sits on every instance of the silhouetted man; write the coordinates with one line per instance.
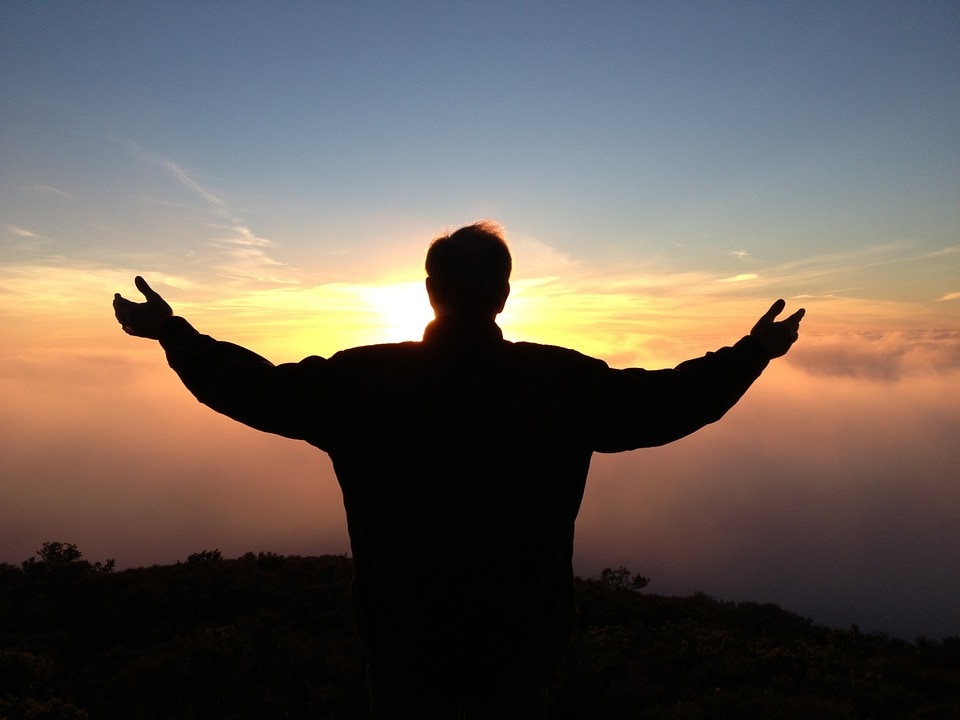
(462, 460)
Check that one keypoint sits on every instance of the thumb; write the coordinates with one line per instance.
(148, 292)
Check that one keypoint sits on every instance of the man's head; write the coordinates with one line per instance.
(468, 271)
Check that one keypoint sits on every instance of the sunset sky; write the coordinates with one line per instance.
(663, 171)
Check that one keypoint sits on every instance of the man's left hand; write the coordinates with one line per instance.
(142, 319)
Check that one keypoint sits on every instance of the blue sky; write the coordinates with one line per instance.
(663, 172)
(701, 135)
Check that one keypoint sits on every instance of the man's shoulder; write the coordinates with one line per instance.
(525, 352)
(554, 353)
(377, 352)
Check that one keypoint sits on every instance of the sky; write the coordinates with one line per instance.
(663, 172)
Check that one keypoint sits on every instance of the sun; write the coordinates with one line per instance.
(403, 309)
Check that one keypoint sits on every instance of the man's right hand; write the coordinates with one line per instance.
(142, 319)
(777, 335)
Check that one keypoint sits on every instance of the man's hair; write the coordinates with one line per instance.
(469, 269)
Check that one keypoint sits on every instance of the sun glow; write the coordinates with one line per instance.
(288, 323)
(403, 308)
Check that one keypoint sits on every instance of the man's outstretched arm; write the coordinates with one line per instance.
(652, 407)
(226, 377)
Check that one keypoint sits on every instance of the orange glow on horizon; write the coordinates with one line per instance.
(649, 321)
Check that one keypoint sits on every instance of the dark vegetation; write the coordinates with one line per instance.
(266, 636)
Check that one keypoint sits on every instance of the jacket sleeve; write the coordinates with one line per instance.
(645, 408)
(281, 399)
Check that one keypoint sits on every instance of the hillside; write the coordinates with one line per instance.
(266, 636)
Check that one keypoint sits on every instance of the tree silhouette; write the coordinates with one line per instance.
(63, 559)
(621, 579)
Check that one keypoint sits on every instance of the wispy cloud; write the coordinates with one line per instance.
(24, 233)
(50, 190)
(953, 250)
(742, 277)
(950, 296)
(245, 256)
(243, 235)
(149, 156)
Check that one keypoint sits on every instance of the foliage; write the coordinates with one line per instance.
(205, 556)
(268, 636)
(63, 559)
(621, 579)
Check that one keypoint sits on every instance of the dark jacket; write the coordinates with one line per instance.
(462, 460)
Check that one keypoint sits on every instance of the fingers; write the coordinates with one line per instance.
(777, 308)
(120, 304)
(777, 336)
(121, 311)
(774, 310)
(791, 326)
(124, 309)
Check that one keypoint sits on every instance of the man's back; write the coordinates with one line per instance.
(462, 461)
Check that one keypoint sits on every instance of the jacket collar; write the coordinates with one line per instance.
(462, 329)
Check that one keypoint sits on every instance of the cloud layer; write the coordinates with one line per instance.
(833, 496)
(830, 489)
